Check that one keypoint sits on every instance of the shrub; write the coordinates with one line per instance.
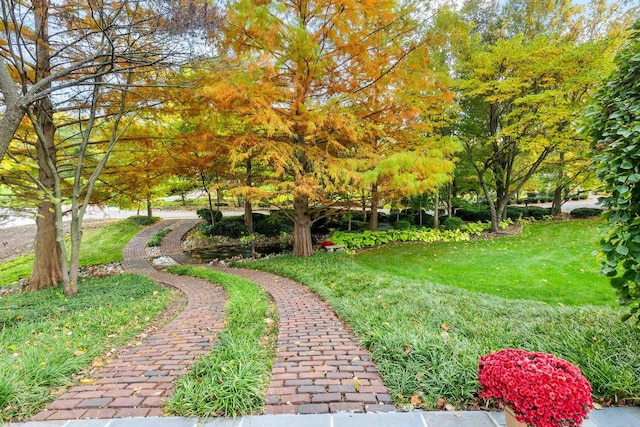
(476, 228)
(271, 225)
(402, 225)
(586, 212)
(474, 213)
(373, 238)
(516, 212)
(143, 219)
(452, 223)
(233, 227)
(205, 214)
(206, 229)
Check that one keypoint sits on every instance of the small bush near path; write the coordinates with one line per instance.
(233, 378)
(47, 338)
(156, 239)
(426, 339)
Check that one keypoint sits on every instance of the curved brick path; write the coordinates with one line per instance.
(318, 358)
(138, 381)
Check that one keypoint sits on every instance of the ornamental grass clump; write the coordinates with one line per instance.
(541, 389)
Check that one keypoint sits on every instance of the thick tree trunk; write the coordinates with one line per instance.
(556, 206)
(302, 244)
(149, 209)
(373, 218)
(46, 270)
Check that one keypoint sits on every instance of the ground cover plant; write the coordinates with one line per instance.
(233, 378)
(426, 338)
(371, 238)
(550, 262)
(100, 245)
(156, 239)
(47, 338)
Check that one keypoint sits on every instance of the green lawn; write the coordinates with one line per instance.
(100, 245)
(550, 262)
(47, 338)
(426, 338)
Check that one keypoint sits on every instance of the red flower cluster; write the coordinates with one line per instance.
(542, 390)
(326, 243)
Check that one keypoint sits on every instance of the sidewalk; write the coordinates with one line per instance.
(608, 417)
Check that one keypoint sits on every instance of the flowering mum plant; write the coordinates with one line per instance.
(541, 389)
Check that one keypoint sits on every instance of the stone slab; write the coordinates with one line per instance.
(457, 419)
(154, 422)
(391, 419)
(315, 420)
(615, 417)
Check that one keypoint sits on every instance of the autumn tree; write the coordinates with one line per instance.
(301, 69)
(81, 66)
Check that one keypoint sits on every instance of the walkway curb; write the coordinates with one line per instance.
(608, 417)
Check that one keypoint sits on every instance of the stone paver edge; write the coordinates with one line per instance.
(608, 417)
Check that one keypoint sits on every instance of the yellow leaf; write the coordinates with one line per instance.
(79, 352)
(356, 384)
(415, 400)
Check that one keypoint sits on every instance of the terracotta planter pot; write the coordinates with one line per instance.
(510, 417)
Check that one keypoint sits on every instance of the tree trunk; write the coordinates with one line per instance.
(149, 209)
(248, 211)
(74, 266)
(364, 207)
(302, 245)
(436, 210)
(373, 218)
(46, 270)
(556, 206)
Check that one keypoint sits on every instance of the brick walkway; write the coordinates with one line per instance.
(141, 378)
(318, 358)
(172, 242)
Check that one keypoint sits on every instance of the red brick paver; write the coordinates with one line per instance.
(172, 242)
(320, 367)
(141, 378)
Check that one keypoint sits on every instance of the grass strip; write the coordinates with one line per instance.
(426, 339)
(47, 338)
(100, 245)
(232, 379)
(156, 239)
